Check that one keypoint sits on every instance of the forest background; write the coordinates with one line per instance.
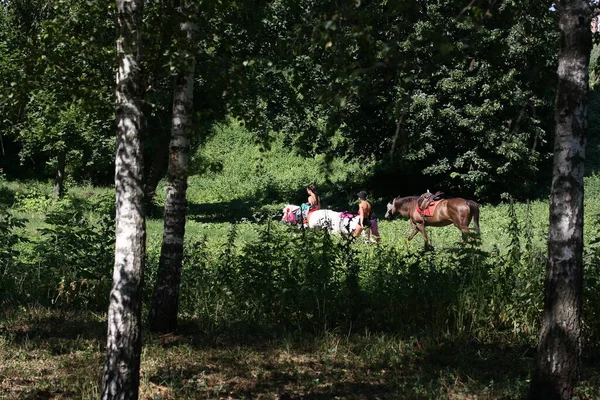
(394, 98)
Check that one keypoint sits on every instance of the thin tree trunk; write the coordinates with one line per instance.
(59, 179)
(123, 348)
(165, 300)
(159, 164)
(559, 347)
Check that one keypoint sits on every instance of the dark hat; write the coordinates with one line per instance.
(362, 195)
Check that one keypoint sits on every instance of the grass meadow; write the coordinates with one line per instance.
(271, 312)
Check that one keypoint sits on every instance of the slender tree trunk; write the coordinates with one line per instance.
(165, 300)
(559, 347)
(59, 180)
(159, 164)
(123, 348)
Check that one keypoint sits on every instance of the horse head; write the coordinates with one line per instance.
(391, 210)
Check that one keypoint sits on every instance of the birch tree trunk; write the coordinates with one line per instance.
(165, 300)
(123, 348)
(59, 179)
(559, 347)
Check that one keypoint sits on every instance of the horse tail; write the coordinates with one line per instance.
(474, 207)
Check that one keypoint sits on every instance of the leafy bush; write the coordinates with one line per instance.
(10, 268)
(76, 252)
(591, 284)
(305, 281)
(232, 167)
(35, 199)
(264, 277)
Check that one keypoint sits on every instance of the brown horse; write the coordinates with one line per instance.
(454, 210)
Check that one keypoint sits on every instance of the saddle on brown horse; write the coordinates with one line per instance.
(425, 201)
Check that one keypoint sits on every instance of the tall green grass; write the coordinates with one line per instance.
(259, 277)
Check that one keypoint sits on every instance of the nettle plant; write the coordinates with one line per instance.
(10, 267)
(292, 280)
(77, 250)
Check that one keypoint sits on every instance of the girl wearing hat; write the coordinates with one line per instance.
(366, 216)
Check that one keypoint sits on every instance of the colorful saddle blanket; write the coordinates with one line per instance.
(429, 210)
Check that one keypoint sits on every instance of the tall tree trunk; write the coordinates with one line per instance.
(158, 160)
(165, 300)
(59, 179)
(559, 347)
(123, 348)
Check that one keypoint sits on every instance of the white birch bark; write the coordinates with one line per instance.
(165, 300)
(123, 348)
(559, 347)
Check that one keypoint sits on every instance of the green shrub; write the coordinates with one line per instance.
(591, 285)
(75, 255)
(10, 267)
(231, 166)
(303, 281)
(37, 198)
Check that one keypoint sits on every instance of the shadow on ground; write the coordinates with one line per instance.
(53, 327)
(229, 211)
(195, 365)
(284, 372)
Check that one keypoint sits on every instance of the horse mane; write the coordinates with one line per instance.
(405, 202)
(405, 199)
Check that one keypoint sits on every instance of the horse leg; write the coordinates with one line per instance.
(472, 214)
(464, 231)
(415, 231)
(421, 228)
(357, 231)
(412, 235)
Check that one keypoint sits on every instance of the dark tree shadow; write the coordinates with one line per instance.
(7, 196)
(58, 332)
(592, 156)
(230, 211)
(468, 366)
(250, 368)
(226, 211)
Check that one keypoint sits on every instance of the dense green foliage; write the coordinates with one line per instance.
(57, 93)
(393, 97)
(429, 93)
(438, 93)
(229, 168)
(268, 279)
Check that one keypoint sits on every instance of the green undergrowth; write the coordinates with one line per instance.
(259, 277)
(231, 177)
(268, 310)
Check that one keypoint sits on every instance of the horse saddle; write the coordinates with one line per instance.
(425, 200)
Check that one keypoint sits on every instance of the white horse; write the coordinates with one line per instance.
(333, 221)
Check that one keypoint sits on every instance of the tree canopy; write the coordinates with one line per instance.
(434, 93)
